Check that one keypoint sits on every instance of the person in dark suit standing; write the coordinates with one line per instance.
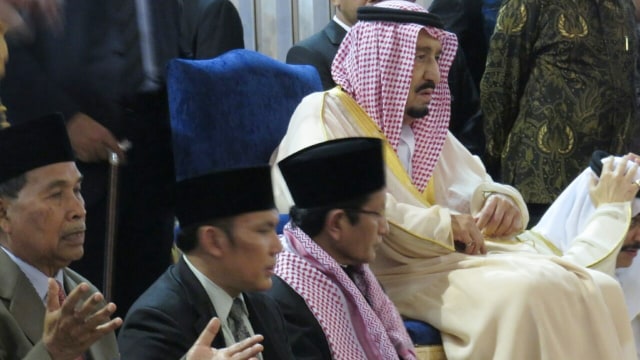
(464, 18)
(333, 305)
(320, 48)
(209, 28)
(230, 245)
(47, 310)
(103, 68)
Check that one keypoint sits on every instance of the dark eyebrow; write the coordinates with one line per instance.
(271, 223)
(424, 48)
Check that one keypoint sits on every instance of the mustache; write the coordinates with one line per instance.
(75, 229)
(427, 85)
(634, 246)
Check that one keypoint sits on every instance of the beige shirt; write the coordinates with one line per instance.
(222, 303)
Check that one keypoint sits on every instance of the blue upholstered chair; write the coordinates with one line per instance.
(232, 111)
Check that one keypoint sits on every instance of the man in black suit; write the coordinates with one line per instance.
(228, 237)
(209, 28)
(82, 68)
(464, 18)
(333, 305)
(320, 48)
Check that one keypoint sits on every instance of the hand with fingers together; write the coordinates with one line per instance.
(499, 216)
(247, 349)
(634, 157)
(90, 140)
(617, 182)
(72, 327)
(467, 235)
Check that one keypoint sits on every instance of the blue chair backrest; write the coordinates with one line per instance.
(232, 110)
(283, 220)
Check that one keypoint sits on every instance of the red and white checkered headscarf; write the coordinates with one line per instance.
(374, 65)
(354, 328)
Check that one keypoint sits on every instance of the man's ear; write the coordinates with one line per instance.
(5, 224)
(212, 240)
(334, 223)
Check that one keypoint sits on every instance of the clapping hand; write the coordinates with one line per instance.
(616, 183)
(71, 328)
(246, 349)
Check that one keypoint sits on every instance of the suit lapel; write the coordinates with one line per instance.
(24, 303)
(28, 309)
(199, 299)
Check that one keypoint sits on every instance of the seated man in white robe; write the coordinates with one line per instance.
(392, 69)
(587, 223)
(628, 273)
(592, 232)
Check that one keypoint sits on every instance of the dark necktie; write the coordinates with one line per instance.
(61, 294)
(236, 325)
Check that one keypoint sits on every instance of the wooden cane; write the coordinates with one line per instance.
(110, 241)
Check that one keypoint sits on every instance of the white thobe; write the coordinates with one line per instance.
(499, 306)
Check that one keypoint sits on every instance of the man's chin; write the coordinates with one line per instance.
(417, 113)
(78, 254)
(624, 260)
(73, 252)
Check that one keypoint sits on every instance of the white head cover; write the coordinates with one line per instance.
(374, 65)
(568, 216)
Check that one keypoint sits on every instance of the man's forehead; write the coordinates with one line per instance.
(54, 174)
(426, 41)
(253, 217)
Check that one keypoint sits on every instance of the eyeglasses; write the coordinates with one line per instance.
(379, 216)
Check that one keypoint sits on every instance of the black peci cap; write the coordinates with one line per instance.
(334, 171)
(224, 193)
(33, 144)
